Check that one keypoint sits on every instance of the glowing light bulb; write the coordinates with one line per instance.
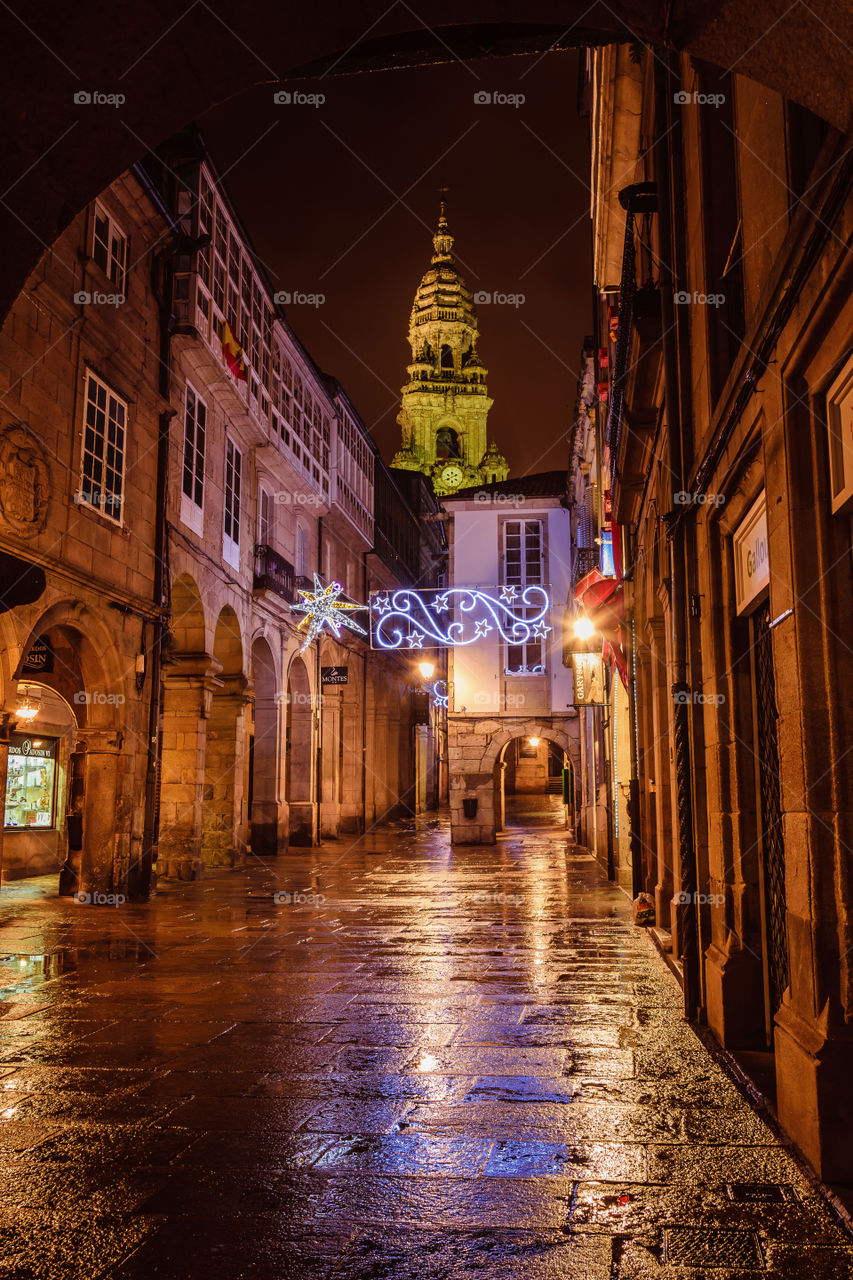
(584, 628)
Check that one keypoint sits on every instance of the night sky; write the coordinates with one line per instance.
(342, 200)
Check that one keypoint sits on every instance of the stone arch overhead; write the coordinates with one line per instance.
(100, 661)
(264, 635)
(188, 623)
(170, 71)
(228, 647)
(530, 728)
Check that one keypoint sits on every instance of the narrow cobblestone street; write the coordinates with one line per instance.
(416, 1063)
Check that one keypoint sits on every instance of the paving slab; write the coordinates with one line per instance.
(409, 1080)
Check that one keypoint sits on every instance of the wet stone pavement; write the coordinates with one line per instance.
(414, 1063)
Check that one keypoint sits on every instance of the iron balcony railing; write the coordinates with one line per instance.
(274, 573)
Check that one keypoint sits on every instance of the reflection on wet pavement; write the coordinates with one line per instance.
(423, 1064)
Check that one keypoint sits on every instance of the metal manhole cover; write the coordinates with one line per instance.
(711, 1247)
(759, 1192)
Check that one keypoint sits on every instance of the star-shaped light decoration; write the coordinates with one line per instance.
(482, 628)
(509, 593)
(540, 630)
(415, 639)
(441, 698)
(441, 604)
(382, 604)
(322, 606)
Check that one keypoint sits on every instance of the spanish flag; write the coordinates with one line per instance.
(232, 352)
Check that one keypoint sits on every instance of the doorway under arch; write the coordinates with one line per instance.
(529, 783)
(224, 820)
(264, 754)
(299, 774)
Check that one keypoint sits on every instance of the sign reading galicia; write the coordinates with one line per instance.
(752, 562)
(334, 675)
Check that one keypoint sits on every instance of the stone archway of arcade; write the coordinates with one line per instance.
(267, 831)
(82, 816)
(477, 785)
(203, 804)
(804, 52)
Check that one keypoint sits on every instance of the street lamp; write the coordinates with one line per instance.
(426, 669)
(534, 742)
(583, 628)
(29, 706)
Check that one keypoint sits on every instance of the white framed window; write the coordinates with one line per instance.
(109, 247)
(839, 423)
(300, 551)
(523, 566)
(232, 504)
(103, 457)
(195, 443)
(265, 514)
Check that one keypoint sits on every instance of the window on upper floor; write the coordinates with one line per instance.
(265, 517)
(232, 504)
(109, 248)
(103, 458)
(195, 441)
(300, 552)
(523, 566)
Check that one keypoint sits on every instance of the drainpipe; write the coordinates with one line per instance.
(145, 875)
(670, 178)
(161, 285)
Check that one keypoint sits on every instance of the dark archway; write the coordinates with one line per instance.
(299, 756)
(530, 772)
(224, 820)
(264, 753)
(170, 70)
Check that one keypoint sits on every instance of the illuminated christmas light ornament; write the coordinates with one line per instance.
(323, 608)
(429, 619)
(440, 694)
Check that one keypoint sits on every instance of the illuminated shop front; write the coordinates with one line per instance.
(31, 782)
(34, 837)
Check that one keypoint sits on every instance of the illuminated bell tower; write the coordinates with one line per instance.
(445, 402)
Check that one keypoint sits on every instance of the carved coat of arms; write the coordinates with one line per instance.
(24, 481)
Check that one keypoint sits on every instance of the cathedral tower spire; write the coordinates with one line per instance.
(445, 403)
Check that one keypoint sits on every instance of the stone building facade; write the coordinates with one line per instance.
(80, 415)
(725, 342)
(174, 472)
(504, 539)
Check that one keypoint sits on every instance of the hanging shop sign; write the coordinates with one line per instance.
(752, 561)
(39, 660)
(334, 675)
(590, 686)
(453, 616)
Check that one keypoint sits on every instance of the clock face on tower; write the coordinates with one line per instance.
(451, 476)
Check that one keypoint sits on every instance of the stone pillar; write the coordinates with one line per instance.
(102, 748)
(660, 708)
(330, 809)
(500, 795)
(224, 816)
(186, 707)
(467, 744)
(5, 736)
(352, 810)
